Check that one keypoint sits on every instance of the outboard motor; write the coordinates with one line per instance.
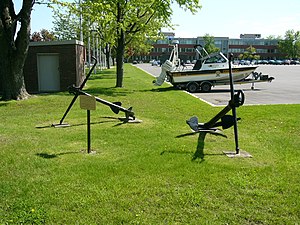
(167, 66)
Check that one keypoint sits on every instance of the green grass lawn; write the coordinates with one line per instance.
(141, 173)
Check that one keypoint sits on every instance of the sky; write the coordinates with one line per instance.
(218, 18)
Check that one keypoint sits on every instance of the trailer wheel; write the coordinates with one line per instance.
(168, 79)
(205, 87)
(192, 87)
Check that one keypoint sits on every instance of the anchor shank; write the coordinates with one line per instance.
(215, 119)
(116, 108)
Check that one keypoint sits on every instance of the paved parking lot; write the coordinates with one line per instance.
(285, 89)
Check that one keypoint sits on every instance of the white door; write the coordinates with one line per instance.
(48, 72)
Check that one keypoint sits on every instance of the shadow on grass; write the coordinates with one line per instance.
(103, 75)
(112, 120)
(109, 91)
(3, 103)
(199, 153)
(171, 88)
(52, 156)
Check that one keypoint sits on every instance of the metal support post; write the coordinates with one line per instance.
(236, 138)
(88, 131)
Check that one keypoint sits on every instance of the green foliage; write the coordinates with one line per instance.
(141, 173)
(290, 45)
(192, 5)
(272, 37)
(249, 54)
(127, 25)
(66, 24)
(140, 20)
(43, 35)
(210, 44)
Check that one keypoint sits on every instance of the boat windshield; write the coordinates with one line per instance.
(215, 59)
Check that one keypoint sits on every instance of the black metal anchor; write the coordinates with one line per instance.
(226, 122)
(115, 106)
(61, 124)
(221, 119)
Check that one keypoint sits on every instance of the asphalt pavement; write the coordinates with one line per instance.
(284, 89)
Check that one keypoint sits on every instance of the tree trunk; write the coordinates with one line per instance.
(120, 58)
(13, 85)
(14, 49)
(107, 55)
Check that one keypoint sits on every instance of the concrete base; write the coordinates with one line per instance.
(84, 151)
(92, 153)
(242, 154)
(124, 119)
(135, 121)
(58, 125)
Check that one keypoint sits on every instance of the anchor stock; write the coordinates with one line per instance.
(116, 107)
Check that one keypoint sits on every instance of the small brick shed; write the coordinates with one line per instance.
(54, 66)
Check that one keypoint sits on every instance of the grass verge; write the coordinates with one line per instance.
(142, 173)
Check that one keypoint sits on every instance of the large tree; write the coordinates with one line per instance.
(120, 23)
(209, 44)
(290, 45)
(14, 44)
(125, 21)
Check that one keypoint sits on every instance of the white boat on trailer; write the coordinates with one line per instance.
(208, 71)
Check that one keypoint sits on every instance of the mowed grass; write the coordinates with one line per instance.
(142, 173)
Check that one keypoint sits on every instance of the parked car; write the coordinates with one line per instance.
(245, 62)
(254, 62)
(154, 63)
(272, 62)
(295, 62)
(278, 62)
